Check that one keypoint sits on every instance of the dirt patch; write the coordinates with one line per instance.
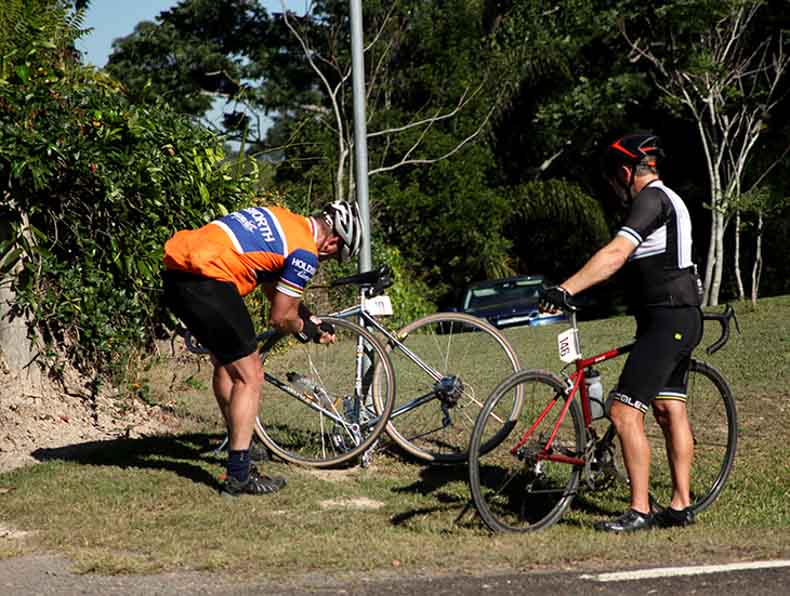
(352, 504)
(7, 533)
(46, 414)
(333, 475)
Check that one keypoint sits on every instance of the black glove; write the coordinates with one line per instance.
(311, 331)
(304, 312)
(325, 327)
(554, 298)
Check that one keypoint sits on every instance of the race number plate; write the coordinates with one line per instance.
(568, 344)
(379, 306)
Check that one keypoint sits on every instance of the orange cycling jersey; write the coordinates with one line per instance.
(248, 247)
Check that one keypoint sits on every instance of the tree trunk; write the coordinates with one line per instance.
(711, 260)
(17, 351)
(718, 267)
(757, 268)
(737, 257)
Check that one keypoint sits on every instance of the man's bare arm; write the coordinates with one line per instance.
(601, 266)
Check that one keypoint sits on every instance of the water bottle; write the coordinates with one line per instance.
(592, 378)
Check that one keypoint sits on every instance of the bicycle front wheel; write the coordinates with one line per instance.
(710, 408)
(528, 480)
(318, 404)
(450, 365)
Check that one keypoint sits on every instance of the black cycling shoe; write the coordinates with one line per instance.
(256, 484)
(629, 521)
(673, 518)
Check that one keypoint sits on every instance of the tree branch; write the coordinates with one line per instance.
(430, 121)
(457, 148)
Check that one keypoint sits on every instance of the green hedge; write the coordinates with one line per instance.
(92, 187)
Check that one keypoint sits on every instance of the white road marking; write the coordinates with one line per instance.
(679, 571)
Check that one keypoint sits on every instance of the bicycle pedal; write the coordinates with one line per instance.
(222, 446)
(367, 457)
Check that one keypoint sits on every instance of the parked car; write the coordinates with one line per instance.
(508, 301)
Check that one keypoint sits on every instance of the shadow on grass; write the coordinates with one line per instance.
(186, 455)
(433, 478)
(592, 510)
(431, 483)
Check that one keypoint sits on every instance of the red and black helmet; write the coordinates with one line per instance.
(632, 150)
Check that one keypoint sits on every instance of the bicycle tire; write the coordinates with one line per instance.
(514, 490)
(712, 415)
(323, 417)
(471, 357)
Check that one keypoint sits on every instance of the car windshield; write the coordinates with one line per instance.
(507, 293)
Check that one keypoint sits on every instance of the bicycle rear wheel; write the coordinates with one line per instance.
(514, 486)
(712, 416)
(463, 358)
(318, 404)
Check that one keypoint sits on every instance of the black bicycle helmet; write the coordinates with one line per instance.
(344, 220)
(632, 150)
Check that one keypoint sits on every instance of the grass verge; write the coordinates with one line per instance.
(151, 504)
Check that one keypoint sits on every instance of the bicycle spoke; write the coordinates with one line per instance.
(514, 486)
(712, 418)
(325, 426)
(454, 346)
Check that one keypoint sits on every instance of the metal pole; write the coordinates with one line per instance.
(360, 130)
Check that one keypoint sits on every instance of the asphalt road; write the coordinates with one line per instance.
(25, 576)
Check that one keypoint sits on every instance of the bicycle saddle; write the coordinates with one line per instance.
(381, 278)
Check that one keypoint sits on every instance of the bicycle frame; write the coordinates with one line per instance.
(365, 319)
(266, 340)
(575, 382)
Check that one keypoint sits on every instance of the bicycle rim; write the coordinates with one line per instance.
(711, 412)
(471, 357)
(331, 420)
(513, 487)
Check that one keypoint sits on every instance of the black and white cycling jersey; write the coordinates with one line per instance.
(660, 270)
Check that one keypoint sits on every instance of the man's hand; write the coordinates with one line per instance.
(327, 332)
(554, 299)
(316, 330)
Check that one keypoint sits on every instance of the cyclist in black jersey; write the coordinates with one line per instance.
(653, 247)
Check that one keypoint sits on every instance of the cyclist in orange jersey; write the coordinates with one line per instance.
(207, 273)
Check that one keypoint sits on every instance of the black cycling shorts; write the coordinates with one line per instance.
(213, 311)
(657, 366)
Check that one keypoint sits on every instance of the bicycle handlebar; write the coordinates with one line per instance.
(724, 320)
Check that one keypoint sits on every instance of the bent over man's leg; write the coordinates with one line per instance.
(222, 385)
(237, 387)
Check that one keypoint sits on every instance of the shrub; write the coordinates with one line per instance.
(92, 187)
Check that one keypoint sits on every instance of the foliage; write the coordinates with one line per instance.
(560, 80)
(95, 186)
(716, 64)
(411, 297)
(106, 172)
(556, 227)
(197, 50)
(425, 61)
(447, 222)
(577, 89)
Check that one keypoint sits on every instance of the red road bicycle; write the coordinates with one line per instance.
(552, 450)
